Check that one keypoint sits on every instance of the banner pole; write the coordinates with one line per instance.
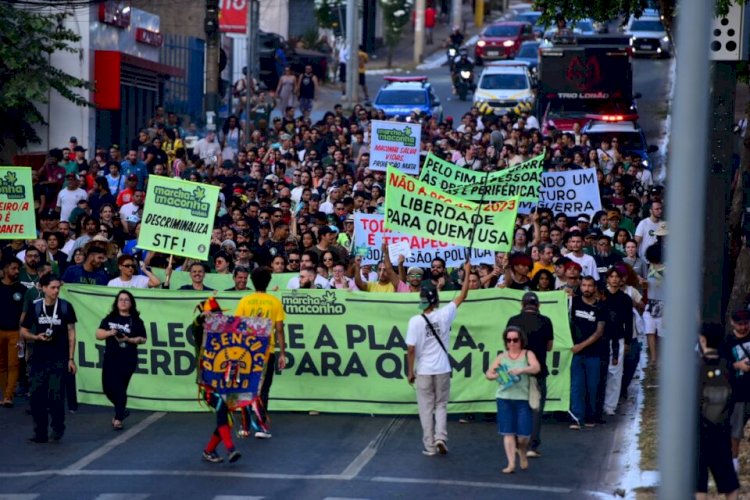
(169, 276)
(479, 207)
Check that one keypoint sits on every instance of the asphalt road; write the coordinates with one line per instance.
(309, 457)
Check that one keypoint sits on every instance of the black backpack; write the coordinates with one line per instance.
(715, 391)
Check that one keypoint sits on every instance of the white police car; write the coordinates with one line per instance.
(648, 35)
(504, 85)
(624, 128)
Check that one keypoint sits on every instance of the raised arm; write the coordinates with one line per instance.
(465, 287)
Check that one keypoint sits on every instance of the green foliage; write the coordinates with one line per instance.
(27, 40)
(396, 15)
(326, 13)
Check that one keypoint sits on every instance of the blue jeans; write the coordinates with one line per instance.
(514, 417)
(585, 372)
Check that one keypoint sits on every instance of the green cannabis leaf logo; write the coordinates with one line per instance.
(199, 193)
(10, 178)
(329, 298)
(407, 131)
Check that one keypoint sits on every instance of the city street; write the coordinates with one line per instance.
(310, 457)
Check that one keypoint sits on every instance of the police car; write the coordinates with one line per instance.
(400, 96)
(504, 85)
(648, 35)
(625, 129)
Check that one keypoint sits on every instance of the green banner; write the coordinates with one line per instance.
(178, 217)
(219, 281)
(17, 220)
(415, 208)
(522, 181)
(344, 354)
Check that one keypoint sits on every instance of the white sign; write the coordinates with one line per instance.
(397, 144)
(370, 233)
(573, 193)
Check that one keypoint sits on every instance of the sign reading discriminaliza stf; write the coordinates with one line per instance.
(397, 144)
(415, 208)
(523, 180)
(178, 217)
(17, 219)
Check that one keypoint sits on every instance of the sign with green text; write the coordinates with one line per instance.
(17, 220)
(415, 208)
(178, 217)
(343, 354)
(522, 181)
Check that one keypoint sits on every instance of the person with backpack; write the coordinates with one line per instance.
(429, 364)
(715, 429)
(736, 349)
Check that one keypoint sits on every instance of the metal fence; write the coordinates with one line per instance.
(184, 95)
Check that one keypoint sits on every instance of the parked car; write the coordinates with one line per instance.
(502, 40)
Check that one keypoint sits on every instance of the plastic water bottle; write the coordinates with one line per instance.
(21, 345)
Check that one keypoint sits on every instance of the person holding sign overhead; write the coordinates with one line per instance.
(429, 364)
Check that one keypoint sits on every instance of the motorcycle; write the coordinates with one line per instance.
(451, 54)
(464, 83)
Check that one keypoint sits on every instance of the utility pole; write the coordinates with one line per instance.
(211, 28)
(252, 53)
(479, 13)
(716, 239)
(456, 12)
(352, 65)
(678, 377)
(419, 31)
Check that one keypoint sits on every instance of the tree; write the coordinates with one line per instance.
(27, 40)
(396, 15)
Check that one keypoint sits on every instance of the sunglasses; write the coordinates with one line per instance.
(414, 275)
(294, 261)
(512, 340)
(131, 266)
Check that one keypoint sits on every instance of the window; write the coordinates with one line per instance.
(504, 82)
(500, 30)
(647, 26)
(401, 97)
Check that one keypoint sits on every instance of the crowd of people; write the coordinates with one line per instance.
(289, 189)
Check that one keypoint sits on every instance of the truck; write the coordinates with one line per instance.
(582, 76)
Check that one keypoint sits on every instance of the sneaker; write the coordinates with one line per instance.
(533, 454)
(575, 427)
(263, 435)
(429, 453)
(234, 455)
(589, 425)
(313, 413)
(56, 436)
(38, 440)
(441, 447)
(609, 413)
(8, 403)
(212, 457)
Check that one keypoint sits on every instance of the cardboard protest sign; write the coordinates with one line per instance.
(234, 353)
(573, 193)
(178, 217)
(522, 180)
(397, 144)
(17, 220)
(345, 349)
(417, 209)
(370, 233)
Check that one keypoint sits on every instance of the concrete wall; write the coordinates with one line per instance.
(65, 118)
(177, 18)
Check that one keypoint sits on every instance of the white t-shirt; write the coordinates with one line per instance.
(588, 264)
(645, 230)
(320, 283)
(326, 207)
(67, 200)
(136, 281)
(129, 210)
(430, 357)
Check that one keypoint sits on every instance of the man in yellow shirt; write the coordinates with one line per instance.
(362, 71)
(261, 304)
(546, 254)
(387, 279)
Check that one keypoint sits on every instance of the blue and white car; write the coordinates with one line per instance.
(401, 96)
(624, 128)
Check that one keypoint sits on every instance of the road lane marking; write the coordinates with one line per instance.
(236, 497)
(114, 443)
(22, 496)
(471, 484)
(122, 496)
(360, 462)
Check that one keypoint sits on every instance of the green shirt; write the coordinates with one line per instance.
(519, 390)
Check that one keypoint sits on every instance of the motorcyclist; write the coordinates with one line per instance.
(462, 63)
(453, 44)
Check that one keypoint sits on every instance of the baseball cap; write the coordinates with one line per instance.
(530, 298)
(741, 315)
(415, 270)
(428, 298)
(265, 223)
(73, 139)
(132, 177)
(583, 218)
(349, 218)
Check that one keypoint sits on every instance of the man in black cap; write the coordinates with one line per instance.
(539, 339)
(427, 338)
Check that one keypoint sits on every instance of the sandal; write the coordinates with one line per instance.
(117, 425)
(509, 469)
(524, 462)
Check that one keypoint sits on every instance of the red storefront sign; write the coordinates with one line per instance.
(233, 16)
(149, 37)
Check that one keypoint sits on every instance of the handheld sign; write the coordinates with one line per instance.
(178, 217)
(17, 219)
(413, 207)
(522, 180)
(397, 144)
(573, 192)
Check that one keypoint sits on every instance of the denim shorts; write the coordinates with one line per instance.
(514, 417)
